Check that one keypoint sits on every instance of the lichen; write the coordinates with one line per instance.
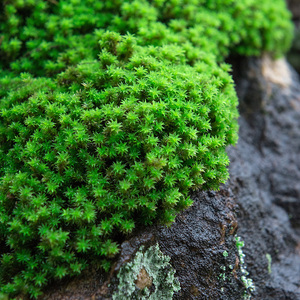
(153, 263)
(269, 259)
(228, 271)
(247, 282)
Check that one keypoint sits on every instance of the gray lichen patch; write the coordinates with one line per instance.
(148, 276)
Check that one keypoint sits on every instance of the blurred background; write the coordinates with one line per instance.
(294, 54)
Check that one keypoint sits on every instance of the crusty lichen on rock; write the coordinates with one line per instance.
(148, 276)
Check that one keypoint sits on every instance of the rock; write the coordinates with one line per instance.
(294, 6)
(293, 55)
(265, 167)
(276, 71)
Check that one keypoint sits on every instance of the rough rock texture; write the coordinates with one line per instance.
(260, 203)
(265, 177)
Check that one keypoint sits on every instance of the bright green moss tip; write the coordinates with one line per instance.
(111, 112)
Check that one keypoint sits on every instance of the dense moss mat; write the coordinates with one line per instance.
(110, 113)
(45, 37)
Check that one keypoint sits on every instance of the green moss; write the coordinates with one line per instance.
(107, 145)
(111, 112)
(150, 268)
(45, 37)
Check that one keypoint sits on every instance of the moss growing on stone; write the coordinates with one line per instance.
(110, 113)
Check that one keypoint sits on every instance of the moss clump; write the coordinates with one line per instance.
(111, 143)
(46, 37)
(125, 107)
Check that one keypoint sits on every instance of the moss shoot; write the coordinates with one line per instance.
(111, 112)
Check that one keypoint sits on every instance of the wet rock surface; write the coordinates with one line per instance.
(260, 204)
(265, 173)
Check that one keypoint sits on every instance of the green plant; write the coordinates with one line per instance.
(82, 161)
(46, 37)
(247, 282)
(110, 113)
(269, 259)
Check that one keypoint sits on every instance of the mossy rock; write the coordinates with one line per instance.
(111, 112)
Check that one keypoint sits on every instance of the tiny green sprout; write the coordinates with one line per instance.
(225, 253)
(222, 276)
